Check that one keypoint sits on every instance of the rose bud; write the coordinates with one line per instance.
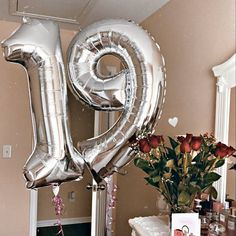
(221, 150)
(188, 137)
(185, 147)
(143, 141)
(144, 145)
(231, 151)
(196, 143)
(145, 148)
(180, 138)
(153, 141)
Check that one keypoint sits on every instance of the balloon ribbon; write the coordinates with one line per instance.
(59, 206)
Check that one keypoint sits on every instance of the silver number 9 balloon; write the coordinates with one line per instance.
(138, 90)
(36, 45)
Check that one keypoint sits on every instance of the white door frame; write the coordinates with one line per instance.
(226, 80)
(33, 212)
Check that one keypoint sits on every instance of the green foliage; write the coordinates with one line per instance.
(212, 191)
(211, 177)
(173, 143)
(233, 167)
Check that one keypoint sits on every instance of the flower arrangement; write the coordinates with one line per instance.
(183, 169)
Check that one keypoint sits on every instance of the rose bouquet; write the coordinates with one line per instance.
(182, 170)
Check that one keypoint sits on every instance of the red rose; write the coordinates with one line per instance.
(155, 140)
(231, 151)
(188, 137)
(144, 145)
(196, 143)
(221, 150)
(143, 141)
(180, 138)
(185, 147)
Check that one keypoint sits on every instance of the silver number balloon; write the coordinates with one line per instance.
(36, 45)
(138, 90)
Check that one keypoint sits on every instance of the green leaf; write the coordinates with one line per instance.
(156, 179)
(151, 182)
(193, 188)
(154, 173)
(219, 163)
(211, 177)
(184, 198)
(143, 164)
(233, 167)
(171, 153)
(198, 157)
(173, 143)
(212, 191)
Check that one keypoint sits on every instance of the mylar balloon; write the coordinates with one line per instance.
(138, 90)
(36, 45)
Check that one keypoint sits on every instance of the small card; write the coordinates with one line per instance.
(185, 224)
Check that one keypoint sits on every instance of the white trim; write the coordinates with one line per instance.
(94, 192)
(98, 196)
(65, 221)
(226, 80)
(33, 196)
(33, 212)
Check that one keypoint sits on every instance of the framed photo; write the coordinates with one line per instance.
(185, 224)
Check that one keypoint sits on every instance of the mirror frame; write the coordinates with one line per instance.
(225, 74)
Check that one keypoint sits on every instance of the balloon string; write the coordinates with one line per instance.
(59, 206)
(111, 202)
(60, 228)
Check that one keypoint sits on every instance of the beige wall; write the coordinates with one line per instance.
(15, 129)
(194, 36)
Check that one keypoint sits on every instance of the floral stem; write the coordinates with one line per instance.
(168, 192)
(213, 164)
(185, 161)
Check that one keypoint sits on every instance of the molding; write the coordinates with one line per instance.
(226, 80)
(65, 221)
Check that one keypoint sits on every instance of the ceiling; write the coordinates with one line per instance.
(73, 14)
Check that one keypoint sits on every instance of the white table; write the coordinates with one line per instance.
(150, 226)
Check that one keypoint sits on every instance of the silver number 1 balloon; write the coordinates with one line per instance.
(36, 45)
(138, 90)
